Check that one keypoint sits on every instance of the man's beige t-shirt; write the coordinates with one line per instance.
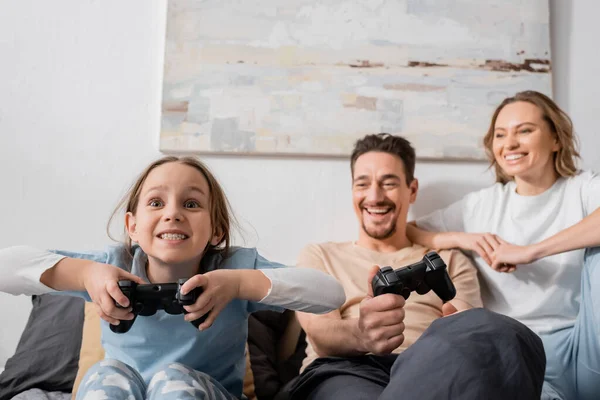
(350, 264)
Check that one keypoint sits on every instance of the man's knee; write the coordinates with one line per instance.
(489, 321)
(497, 330)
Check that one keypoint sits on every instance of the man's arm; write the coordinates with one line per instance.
(330, 335)
(463, 274)
(378, 330)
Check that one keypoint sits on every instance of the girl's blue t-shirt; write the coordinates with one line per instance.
(155, 341)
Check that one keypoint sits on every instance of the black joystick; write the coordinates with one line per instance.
(146, 299)
(423, 276)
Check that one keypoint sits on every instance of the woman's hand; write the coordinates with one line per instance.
(507, 256)
(101, 281)
(484, 244)
(218, 289)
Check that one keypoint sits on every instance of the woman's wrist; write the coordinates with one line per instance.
(538, 250)
(448, 240)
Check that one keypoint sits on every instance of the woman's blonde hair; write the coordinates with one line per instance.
(561, 127)
(220, 209)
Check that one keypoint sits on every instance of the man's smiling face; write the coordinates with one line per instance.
(381, 196)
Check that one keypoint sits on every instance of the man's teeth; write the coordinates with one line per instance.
(512, 157)
(378, 210)
(173, 236)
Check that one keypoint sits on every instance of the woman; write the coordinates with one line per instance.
(528, 234)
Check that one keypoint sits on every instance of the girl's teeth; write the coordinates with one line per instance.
(514, 157)
(172, 236)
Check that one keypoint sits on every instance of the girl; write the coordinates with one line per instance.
(535, 222)
(178, 217)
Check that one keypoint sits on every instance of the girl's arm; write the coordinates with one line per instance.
(67, 274)
(298, 289)
(26, 270)
(21, 268)
(303, 289)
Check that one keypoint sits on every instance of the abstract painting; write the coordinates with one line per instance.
(305, 77)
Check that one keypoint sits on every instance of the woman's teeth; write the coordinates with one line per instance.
(512, 157)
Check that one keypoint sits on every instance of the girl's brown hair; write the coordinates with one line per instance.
(220, 209)
(561, 127)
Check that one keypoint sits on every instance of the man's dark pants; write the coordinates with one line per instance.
(476, 354)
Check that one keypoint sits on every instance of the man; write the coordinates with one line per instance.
(383, 347)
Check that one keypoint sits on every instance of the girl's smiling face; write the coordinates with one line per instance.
(172, 221)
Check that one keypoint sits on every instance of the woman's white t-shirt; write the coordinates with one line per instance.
(544, 295)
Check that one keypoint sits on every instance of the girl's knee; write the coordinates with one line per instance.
(108, 367)
(180, 381)
(111, 378)
(174, 371)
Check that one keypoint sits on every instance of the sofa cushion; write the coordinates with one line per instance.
(48, 350)
(276, 351)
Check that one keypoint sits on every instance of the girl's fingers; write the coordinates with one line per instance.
(115, 292)
(109, 308)
(110, 320)
(205, 301)
(199, 312)
(137, 279)
(212, 315)
(195, 281)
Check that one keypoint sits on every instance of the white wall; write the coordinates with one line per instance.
(79, 117)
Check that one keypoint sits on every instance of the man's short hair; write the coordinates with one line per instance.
(386, 143)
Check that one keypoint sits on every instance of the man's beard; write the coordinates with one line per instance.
(383, 235)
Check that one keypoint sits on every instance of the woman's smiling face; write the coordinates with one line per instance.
(523, 144)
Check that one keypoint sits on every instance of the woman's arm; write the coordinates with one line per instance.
(432, 240)
(585, 233)
(483, 244)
